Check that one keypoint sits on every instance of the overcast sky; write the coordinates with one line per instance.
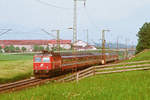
(27, 17)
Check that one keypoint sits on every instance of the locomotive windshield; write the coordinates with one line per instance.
(46, 59)
(38, 59)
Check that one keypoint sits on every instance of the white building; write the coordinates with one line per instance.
(81, 45)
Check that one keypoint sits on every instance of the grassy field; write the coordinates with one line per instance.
(15, 57)
(119, 86)
(15, 67)
(133, 85)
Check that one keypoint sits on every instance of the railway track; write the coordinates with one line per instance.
(22, 84)
(19, 85)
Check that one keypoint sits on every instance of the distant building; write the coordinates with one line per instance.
(81, 45)
(29, 44)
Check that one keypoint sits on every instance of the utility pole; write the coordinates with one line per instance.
(118, 45)
(87, 37)
(75, 20)
(126, 50)
(108, 45)
(58, 39)
(103, 46)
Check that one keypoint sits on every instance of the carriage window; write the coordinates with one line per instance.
(46, 59)
(37, 59)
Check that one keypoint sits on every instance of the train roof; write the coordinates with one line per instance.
(71, 54)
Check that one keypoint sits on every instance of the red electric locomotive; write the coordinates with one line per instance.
(50, 64)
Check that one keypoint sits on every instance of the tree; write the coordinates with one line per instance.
(47, 48)
(0, 49)
(17, 49)
(41, 48)
(23, 49)
(143, 38)
(6, 49)
(36, 48)
(11, 48)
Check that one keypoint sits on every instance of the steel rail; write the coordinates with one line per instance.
(15, 85)
(19, 85)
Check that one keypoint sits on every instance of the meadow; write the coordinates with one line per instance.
(118, 86)
(15, 67)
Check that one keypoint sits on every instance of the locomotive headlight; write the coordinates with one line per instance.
(41, 65)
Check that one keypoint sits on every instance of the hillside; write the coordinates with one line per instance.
(145, 55)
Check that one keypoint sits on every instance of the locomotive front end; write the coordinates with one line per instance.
(42, 65)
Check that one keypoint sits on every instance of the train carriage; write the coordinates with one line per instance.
(51, 64)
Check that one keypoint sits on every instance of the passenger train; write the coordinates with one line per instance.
(48, 64)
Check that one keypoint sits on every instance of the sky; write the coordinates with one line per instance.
(26, 18)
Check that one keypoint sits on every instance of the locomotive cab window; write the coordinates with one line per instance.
(46, 59)
(37, 59)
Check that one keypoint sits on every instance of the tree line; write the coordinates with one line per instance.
(11, 49)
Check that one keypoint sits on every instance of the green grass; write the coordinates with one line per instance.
(15, 67)
(119, 86)
(13, 57)
(133, 85)
(140, 57)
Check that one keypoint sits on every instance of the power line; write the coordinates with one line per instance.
(52, 5)
(48, 33)
(6, 31)
(89, 19)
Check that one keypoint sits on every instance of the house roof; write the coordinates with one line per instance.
(32, 42)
